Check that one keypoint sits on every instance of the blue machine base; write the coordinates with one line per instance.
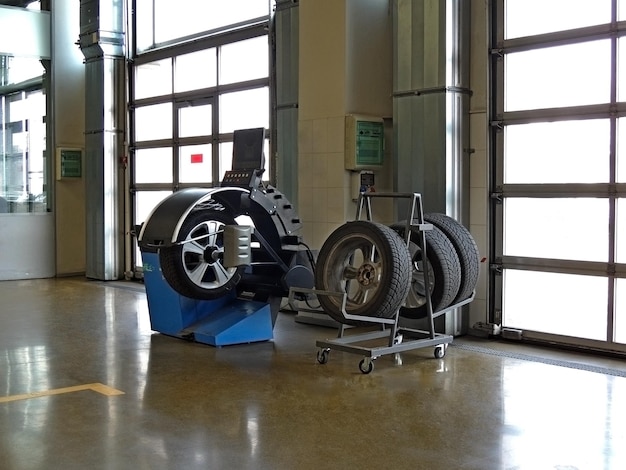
(224, 321)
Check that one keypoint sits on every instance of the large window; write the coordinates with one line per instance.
(23, 175)
(559, 170)
(201, 70)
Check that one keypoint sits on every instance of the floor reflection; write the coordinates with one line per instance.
(271, 405)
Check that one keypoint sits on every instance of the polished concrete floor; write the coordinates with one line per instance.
(86, 384)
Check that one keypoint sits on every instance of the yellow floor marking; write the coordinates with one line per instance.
(96, 387)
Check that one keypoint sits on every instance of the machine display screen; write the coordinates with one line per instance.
(248, 149)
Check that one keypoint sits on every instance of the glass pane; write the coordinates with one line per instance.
(36, 105)
(563, 304)
(620, 169)
(196, 164)
(145, 202)
(530, 17)
(621, 10)
(20, 69)
(226, 158)
(195, 120)
(196, 70)
(620, 231)
(23, 153)
(620, 310)
(244, 60)
(153, 165)
(244, 109)
(153, 122)
(546, 153)
(573, 229)
(621, 69)
(153, 79)
(173, 22)
(551, 77)
(144, 30)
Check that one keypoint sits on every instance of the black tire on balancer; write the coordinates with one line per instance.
(371, 264)
(194, 268)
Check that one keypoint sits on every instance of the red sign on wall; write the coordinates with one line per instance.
(196, 158)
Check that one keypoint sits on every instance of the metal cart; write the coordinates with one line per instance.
(398, 339)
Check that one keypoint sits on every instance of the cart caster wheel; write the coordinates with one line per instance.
(322, 356)
(366, 366)
(398, 339)
(440, 351)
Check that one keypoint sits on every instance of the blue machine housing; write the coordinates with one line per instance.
(224, 321)
(248, 313)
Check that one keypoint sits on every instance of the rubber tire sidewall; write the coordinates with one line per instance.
(395, 275)
(445, 266)
(466, 250)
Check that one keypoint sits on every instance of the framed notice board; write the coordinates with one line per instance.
(69, 162)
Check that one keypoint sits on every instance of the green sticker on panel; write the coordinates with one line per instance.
(71, 163)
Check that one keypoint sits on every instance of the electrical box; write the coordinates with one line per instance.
(69, 163)
(364, 142)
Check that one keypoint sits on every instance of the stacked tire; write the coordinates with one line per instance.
(362, 269)
(452, 261)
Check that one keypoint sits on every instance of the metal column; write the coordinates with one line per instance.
(431, 107)
(102, 43)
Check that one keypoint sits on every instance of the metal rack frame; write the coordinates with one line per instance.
(390, 330)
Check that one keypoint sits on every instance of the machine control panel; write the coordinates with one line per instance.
(245, 178)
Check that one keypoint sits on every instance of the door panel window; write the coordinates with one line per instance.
(620, 166)
(564, 304)
(195, 164)
(145, 202)
(620, 311)
(244, 60)
(621, 69)
(557, 78)
(559, 228)
(195, 121)
(531, 17)
(153, 79)
(620, 231)
(196, 70)
(244, 109)
(153, 122)
(153, 165)
(226, 158)
(546, 152)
